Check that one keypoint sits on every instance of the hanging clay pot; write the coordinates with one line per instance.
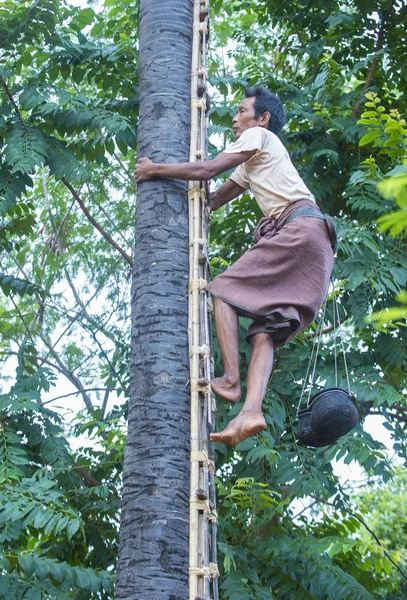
(305, 432)
(329, 415)
(333, 412)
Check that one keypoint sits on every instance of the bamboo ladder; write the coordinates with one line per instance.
(203, 570)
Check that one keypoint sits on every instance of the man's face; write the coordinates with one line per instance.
(244, 118)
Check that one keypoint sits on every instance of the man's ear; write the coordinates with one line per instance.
(265, 119)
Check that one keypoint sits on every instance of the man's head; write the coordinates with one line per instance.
(260, 108)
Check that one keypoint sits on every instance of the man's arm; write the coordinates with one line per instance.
(227, 192)
(145, 169)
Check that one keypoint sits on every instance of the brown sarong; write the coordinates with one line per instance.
(281, 281)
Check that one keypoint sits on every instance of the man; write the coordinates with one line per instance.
(282, 280)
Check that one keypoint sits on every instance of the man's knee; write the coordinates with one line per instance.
(220, 305)
(262, 337)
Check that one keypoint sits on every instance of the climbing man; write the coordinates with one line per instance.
(281, 281)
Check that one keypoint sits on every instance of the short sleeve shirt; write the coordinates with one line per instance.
(269, 174)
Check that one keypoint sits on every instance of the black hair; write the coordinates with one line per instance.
(266, 101)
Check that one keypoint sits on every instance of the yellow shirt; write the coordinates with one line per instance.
(269, 173)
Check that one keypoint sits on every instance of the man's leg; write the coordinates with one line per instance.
(227, 331)
(251, 420)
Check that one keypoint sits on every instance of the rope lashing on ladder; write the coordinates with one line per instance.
(203, 570)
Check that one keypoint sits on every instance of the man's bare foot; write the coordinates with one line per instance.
(225, 389)
(245, 425)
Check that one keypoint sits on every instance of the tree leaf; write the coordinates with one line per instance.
(369, 137)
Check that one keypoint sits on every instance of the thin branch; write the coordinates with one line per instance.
(95, 389)
(73, 320)
(10, 97)
(20, 268)
(65, 312)
(20, 315)
(75, 380)
(313, 334)
(62, 369)
(304, 509)
(130, 177)
(85, 313)
(95, 224)
(372, 533)
(87, 328)
(76, 295)
(399, 408)
(28, 332)
(89, 480)
(51, 347)
(108, 217)
(105, 400)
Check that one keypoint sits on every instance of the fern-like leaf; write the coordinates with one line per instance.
(8, 284)
(25, 149)
(62, 161)
(12, 186)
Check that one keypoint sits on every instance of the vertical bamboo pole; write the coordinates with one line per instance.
(194, 326)
(202, 543)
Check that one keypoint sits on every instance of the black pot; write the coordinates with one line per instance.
(333, 412)
(329, 415)
(305, 432)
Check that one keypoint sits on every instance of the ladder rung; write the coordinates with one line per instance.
(201, 494)
(201, 89)
(203, 13)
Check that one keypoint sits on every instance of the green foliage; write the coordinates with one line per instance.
(19, 286)
(25, 148)
(269, 556)
(53, 118)
(34, 577)
(395, 186)
(23, 22)
(318, 60)
(68, 114)
(11, 187)
(42, 516)
(387, 132)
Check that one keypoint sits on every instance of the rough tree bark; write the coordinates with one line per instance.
(153, 552)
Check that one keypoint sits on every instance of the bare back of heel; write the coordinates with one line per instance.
(230, 393)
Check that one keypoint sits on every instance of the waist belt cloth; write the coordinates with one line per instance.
(310, 211)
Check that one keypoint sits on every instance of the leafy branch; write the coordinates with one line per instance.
(95, 224)
(372, 533)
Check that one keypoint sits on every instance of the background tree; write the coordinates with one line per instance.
(68, 101)
(303, 53)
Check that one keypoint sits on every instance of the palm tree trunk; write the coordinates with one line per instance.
(153, 551)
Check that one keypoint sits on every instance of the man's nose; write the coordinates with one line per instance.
(235, 118)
